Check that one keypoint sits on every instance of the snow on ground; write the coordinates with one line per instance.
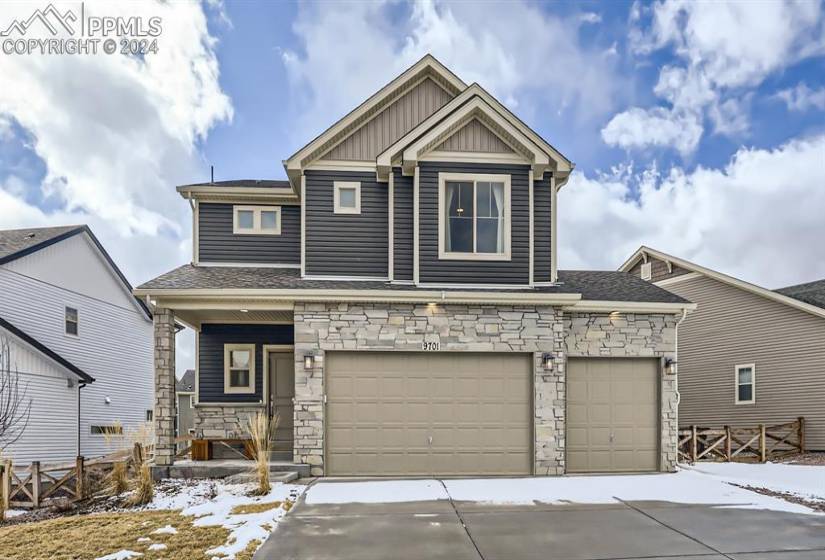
(806, 481)
(120, 555)
(688, 486)
(14, 512)
(211, 503)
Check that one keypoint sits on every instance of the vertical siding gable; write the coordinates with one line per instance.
(475, 137)
(213, 337)
(392, 123)
(433, 270)
(346, 244)
(217, 242)
(403, 226)
(732, 326)
(542, 229)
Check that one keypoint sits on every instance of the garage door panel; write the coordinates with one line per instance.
(613, 425)
(475, 406)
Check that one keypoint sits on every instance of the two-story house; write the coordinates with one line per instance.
(396, 301)
(78, 342)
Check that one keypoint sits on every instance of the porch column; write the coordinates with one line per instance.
(164, 321)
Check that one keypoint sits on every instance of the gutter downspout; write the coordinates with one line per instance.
(678, 394)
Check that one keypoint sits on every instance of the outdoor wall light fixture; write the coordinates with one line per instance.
(670, 366)
(309, 361)
(107, 400)
(547, 360)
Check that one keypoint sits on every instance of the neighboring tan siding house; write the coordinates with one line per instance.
(747, 355)
(396, 303)
(73, 326)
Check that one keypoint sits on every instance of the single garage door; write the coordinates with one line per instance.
(612, 415)
(440, 413)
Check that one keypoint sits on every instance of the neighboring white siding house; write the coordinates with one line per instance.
(113, 344)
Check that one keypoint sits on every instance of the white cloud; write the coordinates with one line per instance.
(590, 17)
(803, 98)
(638, 128)
(527, 55)
(758, 218)
(116, 134)
(721, 48)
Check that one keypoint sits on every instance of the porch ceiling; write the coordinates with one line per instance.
(197, 317)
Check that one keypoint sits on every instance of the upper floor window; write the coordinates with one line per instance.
(71, 321)
(239, 368)
(474, 216)
(746, 384)
(347, 197)
(256, 220)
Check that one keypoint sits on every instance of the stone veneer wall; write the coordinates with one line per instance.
(471, 328)
(165, 399)
(211, 421)
(632, 335)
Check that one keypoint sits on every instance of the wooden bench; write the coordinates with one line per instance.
(202, 448)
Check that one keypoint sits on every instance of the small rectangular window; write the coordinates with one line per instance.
(256, 220)
(239, 368)
(71, 321)
(149, 415)
(646, 271)
(347, 197)
(110, 430)
(745, 384)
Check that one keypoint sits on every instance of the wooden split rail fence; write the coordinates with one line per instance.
(756, 444)
(32, 487)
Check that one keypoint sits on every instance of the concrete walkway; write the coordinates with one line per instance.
(473, 531)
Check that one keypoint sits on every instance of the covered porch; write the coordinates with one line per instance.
(245, 364)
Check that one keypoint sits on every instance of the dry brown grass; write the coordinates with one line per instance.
(259, 428)
(118, 478)
(249, 551)
(254, 508)
(91, 536)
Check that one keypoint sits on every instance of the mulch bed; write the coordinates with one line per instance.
(815, 505)
(805, 459)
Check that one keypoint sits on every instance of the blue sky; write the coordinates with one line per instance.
(697, 128)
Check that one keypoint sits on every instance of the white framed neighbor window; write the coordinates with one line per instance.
(473, 217)
(647, 273)
(745, 383)
(256, 220)
(347, 196)
(71, 322)
(239, 368)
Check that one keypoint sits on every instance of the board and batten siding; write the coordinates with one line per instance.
(346, 244)
(115, 342)
(400, 117)
(733, 327)
(403, 226)
(212, 339)
(435, 271)
(542, 229)
(51, 433)
(218, 243)
(474, 137)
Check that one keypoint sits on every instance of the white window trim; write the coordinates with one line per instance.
(736, 369)
(474, 177)
(66, 321)
(256, 220)
(646, 271)
(227, 348)
(337, 186)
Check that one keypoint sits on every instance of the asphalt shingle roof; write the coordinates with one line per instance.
(16, 242)
(810, 292)
(186, 383)
(601, 285)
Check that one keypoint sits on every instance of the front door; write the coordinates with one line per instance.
(281, 391)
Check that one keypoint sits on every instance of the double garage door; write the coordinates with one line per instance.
(446, 414)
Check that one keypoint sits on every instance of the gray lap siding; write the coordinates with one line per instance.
(433, 270)
(542, 201)
(217, 242)
(346, 244)
(403, 226)
(212, 339)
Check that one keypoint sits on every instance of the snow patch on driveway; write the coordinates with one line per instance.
(688, 486)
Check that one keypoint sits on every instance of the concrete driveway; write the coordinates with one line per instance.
(473, 531)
